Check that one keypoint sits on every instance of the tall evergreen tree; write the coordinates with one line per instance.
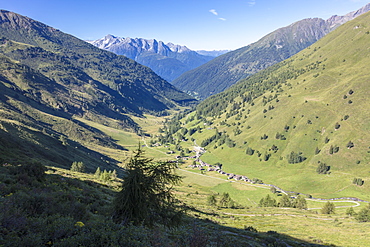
(211, 200)
(328, 208)
(364, 214)
(97, 173)
(285, 201)
(146, 196)
(300, 202)
(225, 200)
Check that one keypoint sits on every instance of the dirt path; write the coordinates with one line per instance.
(265, 186)
(290, 215)
(356, 203)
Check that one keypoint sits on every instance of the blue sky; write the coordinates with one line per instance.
(198, 24)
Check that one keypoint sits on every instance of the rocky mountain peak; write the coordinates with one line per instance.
(335, 20)
(178, 48)
(167, 60)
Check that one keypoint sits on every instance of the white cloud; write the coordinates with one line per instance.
(251, 3)
(222, 19)
(213, 11)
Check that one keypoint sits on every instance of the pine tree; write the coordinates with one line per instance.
(364, 214)
(211, 200)
(328, 208)
(97, 173)
(267, 202)
(146, 196)
(104, 176)
(350, 211)
(300, 202)
(285, 201)
(225, 200)
(114, 175)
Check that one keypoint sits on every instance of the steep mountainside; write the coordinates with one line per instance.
(223, 71)
(301, 124)
(48, 78)
(168, 60)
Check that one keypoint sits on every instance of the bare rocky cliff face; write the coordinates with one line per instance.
(336, 20)
(168, 60)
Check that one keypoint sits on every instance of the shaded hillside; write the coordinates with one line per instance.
(130, 81)
(167, 60)
(64, 208)
(302, 124)
(48, 79)
(36, 121)
(222, 72)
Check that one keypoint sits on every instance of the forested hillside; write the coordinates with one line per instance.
(302, 124)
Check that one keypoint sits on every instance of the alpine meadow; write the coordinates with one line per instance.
(96, 149)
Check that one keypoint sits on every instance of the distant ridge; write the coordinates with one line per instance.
(214, 53)
(168, 60)
(283, 124)
(223, 71)
(49, 80)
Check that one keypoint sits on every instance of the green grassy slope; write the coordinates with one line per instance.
(224, 71)
(318, 100)
(64, 208)
(57, 54)
(49, 80)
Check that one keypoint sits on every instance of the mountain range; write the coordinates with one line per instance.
(223, 71)
(48, 79)
(301, 124)
(298, 129)
(168, 60)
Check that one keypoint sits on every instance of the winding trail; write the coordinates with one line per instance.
(268, 186)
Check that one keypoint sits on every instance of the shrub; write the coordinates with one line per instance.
(249, 151)
(350, 145)
(34, 170)
(358, 181)
(323, 168)
(294, 158)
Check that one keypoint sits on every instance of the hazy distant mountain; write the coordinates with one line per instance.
(223, 71)
(212, 53)
(168, 60)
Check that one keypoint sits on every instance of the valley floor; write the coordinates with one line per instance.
(309, 225)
